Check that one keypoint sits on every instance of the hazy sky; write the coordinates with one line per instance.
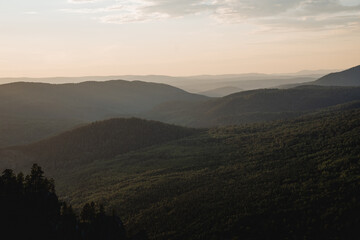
(176, 37)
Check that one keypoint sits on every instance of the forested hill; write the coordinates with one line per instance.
(349, 77)
(99, 140)
(297, 179)
(33, 111)
(254, 106)
(87, 100)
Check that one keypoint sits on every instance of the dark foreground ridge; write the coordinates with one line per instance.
(30, 209)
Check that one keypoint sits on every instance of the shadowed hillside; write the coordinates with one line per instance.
(254, 106)
(346, 78)
(98, 140)
(298, 178)
(22, 130)
(349, 77)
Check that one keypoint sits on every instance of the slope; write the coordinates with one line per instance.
(346, 78)
(99, 140)
(254, 106)
(349, 77)
(23, 130)
(297, 179)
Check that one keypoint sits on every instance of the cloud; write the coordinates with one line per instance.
(113, 8)
(132, 17)
(276, 13)
(132, 11)
(295, 14)
(82, 1)
(176, 8)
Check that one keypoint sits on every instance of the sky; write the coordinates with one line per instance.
(47, 38)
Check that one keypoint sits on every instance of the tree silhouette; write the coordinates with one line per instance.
(30, 209)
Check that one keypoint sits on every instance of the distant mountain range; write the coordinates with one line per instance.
(312, 73)
(263, 104)
(194, 84)
(221, 92)
(198, 83)
(349, 77)
(248, 81)
(33, 111)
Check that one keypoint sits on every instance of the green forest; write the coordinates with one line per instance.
(285, 180)
(294, 179)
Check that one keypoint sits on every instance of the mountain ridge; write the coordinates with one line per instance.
(24, 102)
(346, 78)
(254, 106)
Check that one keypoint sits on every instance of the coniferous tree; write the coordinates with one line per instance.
(30, 209)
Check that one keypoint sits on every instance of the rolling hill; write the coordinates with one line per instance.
(34, 111)
(99, 140)
(347, 78)
(25, 107)
(253, 182)
(87, 100)
(194, 84)
(295, 179)
(254, 106)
